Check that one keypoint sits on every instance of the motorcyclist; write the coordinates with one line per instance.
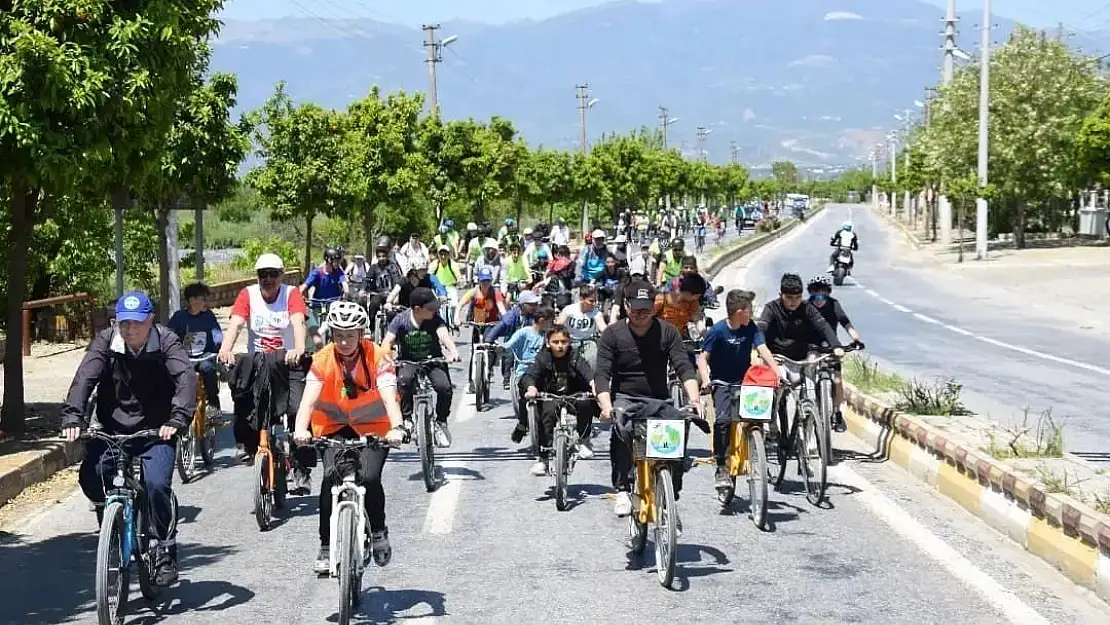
(841, 239)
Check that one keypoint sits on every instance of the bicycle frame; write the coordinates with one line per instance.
(347, 494)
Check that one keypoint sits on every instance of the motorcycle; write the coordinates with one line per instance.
(842, 266)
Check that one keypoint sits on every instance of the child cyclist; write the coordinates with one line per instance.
(351, 391)
(560, 370)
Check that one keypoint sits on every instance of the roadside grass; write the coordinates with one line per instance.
(866, 375)
(1042, 439)
(1062, 483)
(917, 397)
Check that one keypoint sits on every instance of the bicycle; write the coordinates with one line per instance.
(827, 376)
(674, 385)
(126, 530)
(658, 449)
(564, 441)
(272, 464)
(423, 411)
(808, 431)
(480, 365)
(350, 529)
(747, 453)
(699, 239)
(200, 436)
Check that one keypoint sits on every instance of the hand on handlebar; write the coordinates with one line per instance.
(302, 437)
(71, 433)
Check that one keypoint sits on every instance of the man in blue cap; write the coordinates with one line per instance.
(145, 382)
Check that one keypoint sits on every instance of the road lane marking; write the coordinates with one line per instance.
(747, 261)
(466, 410)
(440, 518)
(1007, 603)
(1017, 348)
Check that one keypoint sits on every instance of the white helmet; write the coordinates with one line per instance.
(528, 231)
(268, 261)
(344, 315)
(598, 234)
(471, 227)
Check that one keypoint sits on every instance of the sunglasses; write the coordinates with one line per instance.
(269, 274)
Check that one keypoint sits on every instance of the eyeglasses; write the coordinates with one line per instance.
(269, 274)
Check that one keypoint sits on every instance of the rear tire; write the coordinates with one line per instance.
(186, 456)
(263, 492)
(838, 275)
(666, 534)
(111, 590)
(208, 444)
(478, 380)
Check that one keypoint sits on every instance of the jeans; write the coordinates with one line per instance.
(158, 456)
(207, 370)
(549, 412)
(440, 378)
(368, 465)
(722, 420)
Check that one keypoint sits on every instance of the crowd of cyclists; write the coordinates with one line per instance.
(622, 319)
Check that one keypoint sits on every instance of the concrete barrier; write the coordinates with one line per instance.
(224, 293)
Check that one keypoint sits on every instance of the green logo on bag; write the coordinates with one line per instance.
(666, 439)
(756, 402)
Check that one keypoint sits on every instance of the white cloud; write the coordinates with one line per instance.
(842, 15)
(815, 60)
(749, 114)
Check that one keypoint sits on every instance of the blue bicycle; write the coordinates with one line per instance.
(126, 530)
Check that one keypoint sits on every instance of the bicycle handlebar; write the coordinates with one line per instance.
(826, 353)
(424, 363)
(120, 439)
(366, 440)
(562, 399)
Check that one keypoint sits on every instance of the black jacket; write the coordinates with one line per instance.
(790, 333)
(141, 391)
(541, 373)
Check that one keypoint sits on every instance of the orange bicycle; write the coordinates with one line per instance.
(201, 435)
(273, 462)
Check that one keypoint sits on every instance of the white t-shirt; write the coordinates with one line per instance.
(845, 238)
(581, 325)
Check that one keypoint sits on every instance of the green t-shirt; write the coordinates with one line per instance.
(517, 270)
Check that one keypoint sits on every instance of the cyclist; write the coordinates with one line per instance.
(560, 233)
(445, 236)
(524, 344)
(690, 267)
(591, 260)
(632, 360)
(789, 324)
(517, 273)
(420, 333)
(478, 246)
(560, 370)
(417, 277)
(643, 264)
(607, 283)
(491, 260)
(512, 235)
(445, 269)
(584, 320)
(274, 315)
(726, 356)
(508, 226)
(738, 217)
(670, 265)
(351, 391)
(523, 314)
(487, 305)
(471, 234)
(327, 281)
(381, 277)
(146, 382)
(843, 238)
(533, 249)
(356, 271)
(200, 332)
(414, 252)
(681, 306)
(820, 295)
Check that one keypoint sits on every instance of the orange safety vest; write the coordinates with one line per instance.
(674, 314)
(333, 411)
(484, 309)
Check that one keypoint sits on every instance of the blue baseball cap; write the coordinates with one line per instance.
(133, 306)
(485, 274)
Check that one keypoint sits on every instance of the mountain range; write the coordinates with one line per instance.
(814, 81)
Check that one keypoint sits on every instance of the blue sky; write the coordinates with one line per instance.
(1074, 13)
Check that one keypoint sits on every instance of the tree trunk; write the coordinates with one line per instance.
(368, 231)
(161, 221)
(24, 199)
(960, 230)
(308, 243)
(1019, 225)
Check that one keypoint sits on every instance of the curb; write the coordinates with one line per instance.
(898, 225)
(1063, 532)
(46, 459)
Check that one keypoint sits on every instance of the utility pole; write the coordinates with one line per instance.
(907, 209)
(950, 20)
(893, 171)
(875, 176)
(584, 104)
(703, 133)
(981, 206)
(435, 55)
(735, 152)
(665, 120)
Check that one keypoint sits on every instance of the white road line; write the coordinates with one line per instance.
(465, 410)
(1004, 601)
(441, 507)
(1033, 352)
(926, 319)
(872, 292)
(900, 308)
(958, 330)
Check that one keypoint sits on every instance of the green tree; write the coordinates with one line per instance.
(786, 176)
(88, 87)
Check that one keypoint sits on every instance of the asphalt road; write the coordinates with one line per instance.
(489, 547)
(1006, 359)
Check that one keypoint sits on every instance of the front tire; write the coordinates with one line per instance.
(813, 449)
(186, 456)
(426, 443)
(112, 572)
(757, 477)
(533, 427)
(666, 533)
(263, 492)
(347, 568)
(560, 469)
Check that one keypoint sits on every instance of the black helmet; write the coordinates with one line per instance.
(791, 284)
(331, 254)
(679, 243)
(384, 245)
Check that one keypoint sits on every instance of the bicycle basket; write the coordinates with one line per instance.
(659, 439)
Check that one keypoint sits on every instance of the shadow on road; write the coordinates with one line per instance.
(385, 607)
(56, 581)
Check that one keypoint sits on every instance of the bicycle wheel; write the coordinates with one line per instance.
(112, 571)
(186, 456)
(562, 444)
(281, 479)
(147, 549)
(757, 477)
(347, 568)
(208, 443)
(263, 491)
(813, 449)
(784, 442)
(478, 380)
(426, 444)
(825, 412)
(533, 427)
(666, 534)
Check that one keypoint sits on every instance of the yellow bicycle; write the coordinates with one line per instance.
(200, 437)
(747, 456)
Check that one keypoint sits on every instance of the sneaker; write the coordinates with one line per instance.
(442, 434)
(623, 506)
(519, 432)
(214, 414)
(383, 552)
(505, 384)
(585, 447)
(722, 479)
(469, 388)
(165, 573)
(322, 566)
(838, 422)
(539, 468)
(302, 481)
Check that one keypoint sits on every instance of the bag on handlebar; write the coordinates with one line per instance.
(757, 393)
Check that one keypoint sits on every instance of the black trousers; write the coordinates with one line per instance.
(367, 465)
(441, 381)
